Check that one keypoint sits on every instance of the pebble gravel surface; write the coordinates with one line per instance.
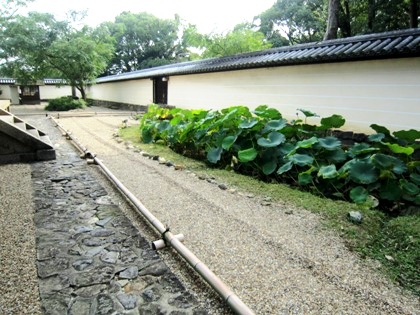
(276, 258)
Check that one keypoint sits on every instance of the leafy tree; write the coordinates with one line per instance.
(240, 40)
(294, 21)
(142, 41)
(37, 46)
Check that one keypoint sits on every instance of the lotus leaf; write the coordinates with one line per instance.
(359, 194)
(247, 155)
(304, 179)
(307, 143)
(301, 159)
(248, 123)
(334, 121)
(329, 143)
(273, 139)
(228, 142)
(415, 178)
(409, 187)
(400, 149)
(275, 125)
(390, 191)
(361, 148)
(328, 172)
(380, 129)
(376, 137)
(285, 168)
(362, 172)
(308, 113)
(269, 167)
(214, 154)
(408, 135)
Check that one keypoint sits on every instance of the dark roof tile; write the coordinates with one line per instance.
(396, 44)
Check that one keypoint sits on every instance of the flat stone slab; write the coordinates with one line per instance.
(90, 257)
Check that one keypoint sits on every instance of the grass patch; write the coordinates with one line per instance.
(393, 241)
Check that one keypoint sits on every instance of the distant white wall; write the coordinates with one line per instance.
(10, 92)
(137, 92)
(48, 92)
(385, 92)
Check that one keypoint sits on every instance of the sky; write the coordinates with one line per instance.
(209, 16)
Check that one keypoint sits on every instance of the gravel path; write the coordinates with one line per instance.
(276, 262)
(18, 276)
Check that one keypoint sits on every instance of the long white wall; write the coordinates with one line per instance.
(48, 92)
(385, 92)
(10, 92)
(137, 92)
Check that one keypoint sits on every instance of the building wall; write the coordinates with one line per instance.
(10, 92)
(137, 92)
(385, 92)
(48, 92)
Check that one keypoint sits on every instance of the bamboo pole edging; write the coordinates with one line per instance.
(232, 300)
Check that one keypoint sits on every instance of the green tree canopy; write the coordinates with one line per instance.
(240, 40)
(142, 41)
(38, 46)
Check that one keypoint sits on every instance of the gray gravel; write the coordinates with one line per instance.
(18, 277)
(277, 259)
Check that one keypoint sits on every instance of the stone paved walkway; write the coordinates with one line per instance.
(90, 258)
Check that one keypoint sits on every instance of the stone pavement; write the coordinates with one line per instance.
(90, 258)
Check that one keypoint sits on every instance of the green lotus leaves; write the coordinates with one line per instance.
(409, 187)
(390, 191)
(388, 162)
(363, 172)
(248, 123)
(214, 155)
(334, 121)
(396, 148)
(359, 194)
(305, 179)
(308, 142)
(285, 168)
(301, 159)
(408, 135)
(228, 142)
(275, 125)
(247, 155)
(385, 166)
(328, 172)
(376, 137)
(269, 167)
(307, 113)
(329, 143)
(361, 149)
(273, 139)
(415, 178)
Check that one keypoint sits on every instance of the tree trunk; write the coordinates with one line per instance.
(414, 7)
(371, 14)
(344, 19)
(332, 25)
(82, 92)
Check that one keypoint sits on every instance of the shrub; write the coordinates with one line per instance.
(263, 144)
(65, 103)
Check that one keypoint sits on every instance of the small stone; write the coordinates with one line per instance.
(144, 153)
(169, 163)
(289, 212)
(355, 217)
(155, 158)
(161, 160)
(110, 257)
(129, 301)
(101, 232)
(80, 265)
(119, 140)
(265, 203)
(232, 191)
(223, 186)
(250, 195)
(389, 258)
(129, 273)
(156, 270)
(179, 167)
(103, 222)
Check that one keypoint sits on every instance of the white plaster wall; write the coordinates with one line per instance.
(385, 92)
(48, 92)
(10, 92)
(137, 92)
